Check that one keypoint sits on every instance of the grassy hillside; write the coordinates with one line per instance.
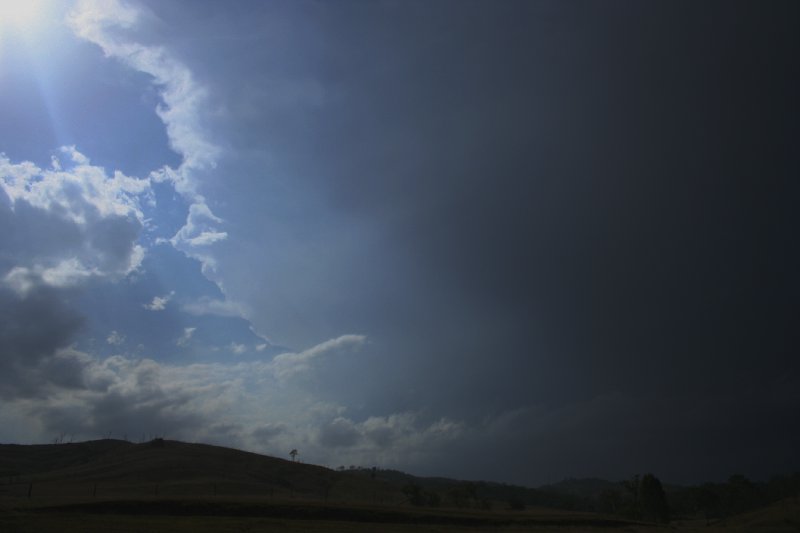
(25, 460)
(112, 468)
(172, 486)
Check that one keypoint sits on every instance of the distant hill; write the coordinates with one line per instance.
(574, 495)
(586, 488)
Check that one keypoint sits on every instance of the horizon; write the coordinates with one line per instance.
(521, 242)
(352, 467)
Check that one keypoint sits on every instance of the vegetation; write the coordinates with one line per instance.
(421, 498)
(163, 478)
(639, 498)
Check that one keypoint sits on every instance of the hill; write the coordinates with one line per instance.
(115, 468)
(777, 517)
(19, 459)
(42, 487)
(167, 485)
(119, 468)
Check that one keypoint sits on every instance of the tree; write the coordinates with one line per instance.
(706, 500)
(417, 496)
(739, 495)
(293, 453)
(414, 494)
(464, 495)
(652, 500)
(610, 501)
(631, 508)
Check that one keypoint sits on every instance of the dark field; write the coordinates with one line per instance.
(228, 514)
(239, 516)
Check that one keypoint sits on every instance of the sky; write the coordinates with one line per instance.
(516, 241)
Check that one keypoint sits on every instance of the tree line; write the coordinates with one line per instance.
(642, 497)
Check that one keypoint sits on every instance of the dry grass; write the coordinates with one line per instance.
(115, 486)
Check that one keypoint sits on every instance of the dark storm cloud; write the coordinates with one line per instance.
(339, 432)
(60, 228)
(32, 328)
(686, 438)
(30, 233)
(133, 397)
(123, 414)
(69, 369)
(535, 203)
(143, 409)
(267, 432)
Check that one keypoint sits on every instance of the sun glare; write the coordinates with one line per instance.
(20, 15)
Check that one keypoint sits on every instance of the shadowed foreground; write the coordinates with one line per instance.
(230, 516)
(113, 485)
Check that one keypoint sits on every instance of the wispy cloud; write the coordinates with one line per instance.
(108, 24)
(115, 338)
(289, 364)
(184, 339)
(198, 233)
(210, 306)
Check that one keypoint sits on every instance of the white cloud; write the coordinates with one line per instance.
(287, 365)
(207, 237)
(20, 280)
(67, 273)
(238, 349)
(69, 391)
(100, 22)
(186, 337)
(90, 397)
(399, 438)
(115, 338)
(209, 306)
(197, 234)
(108, 24)
(159, 303)
(78, 221)
(82, 193)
